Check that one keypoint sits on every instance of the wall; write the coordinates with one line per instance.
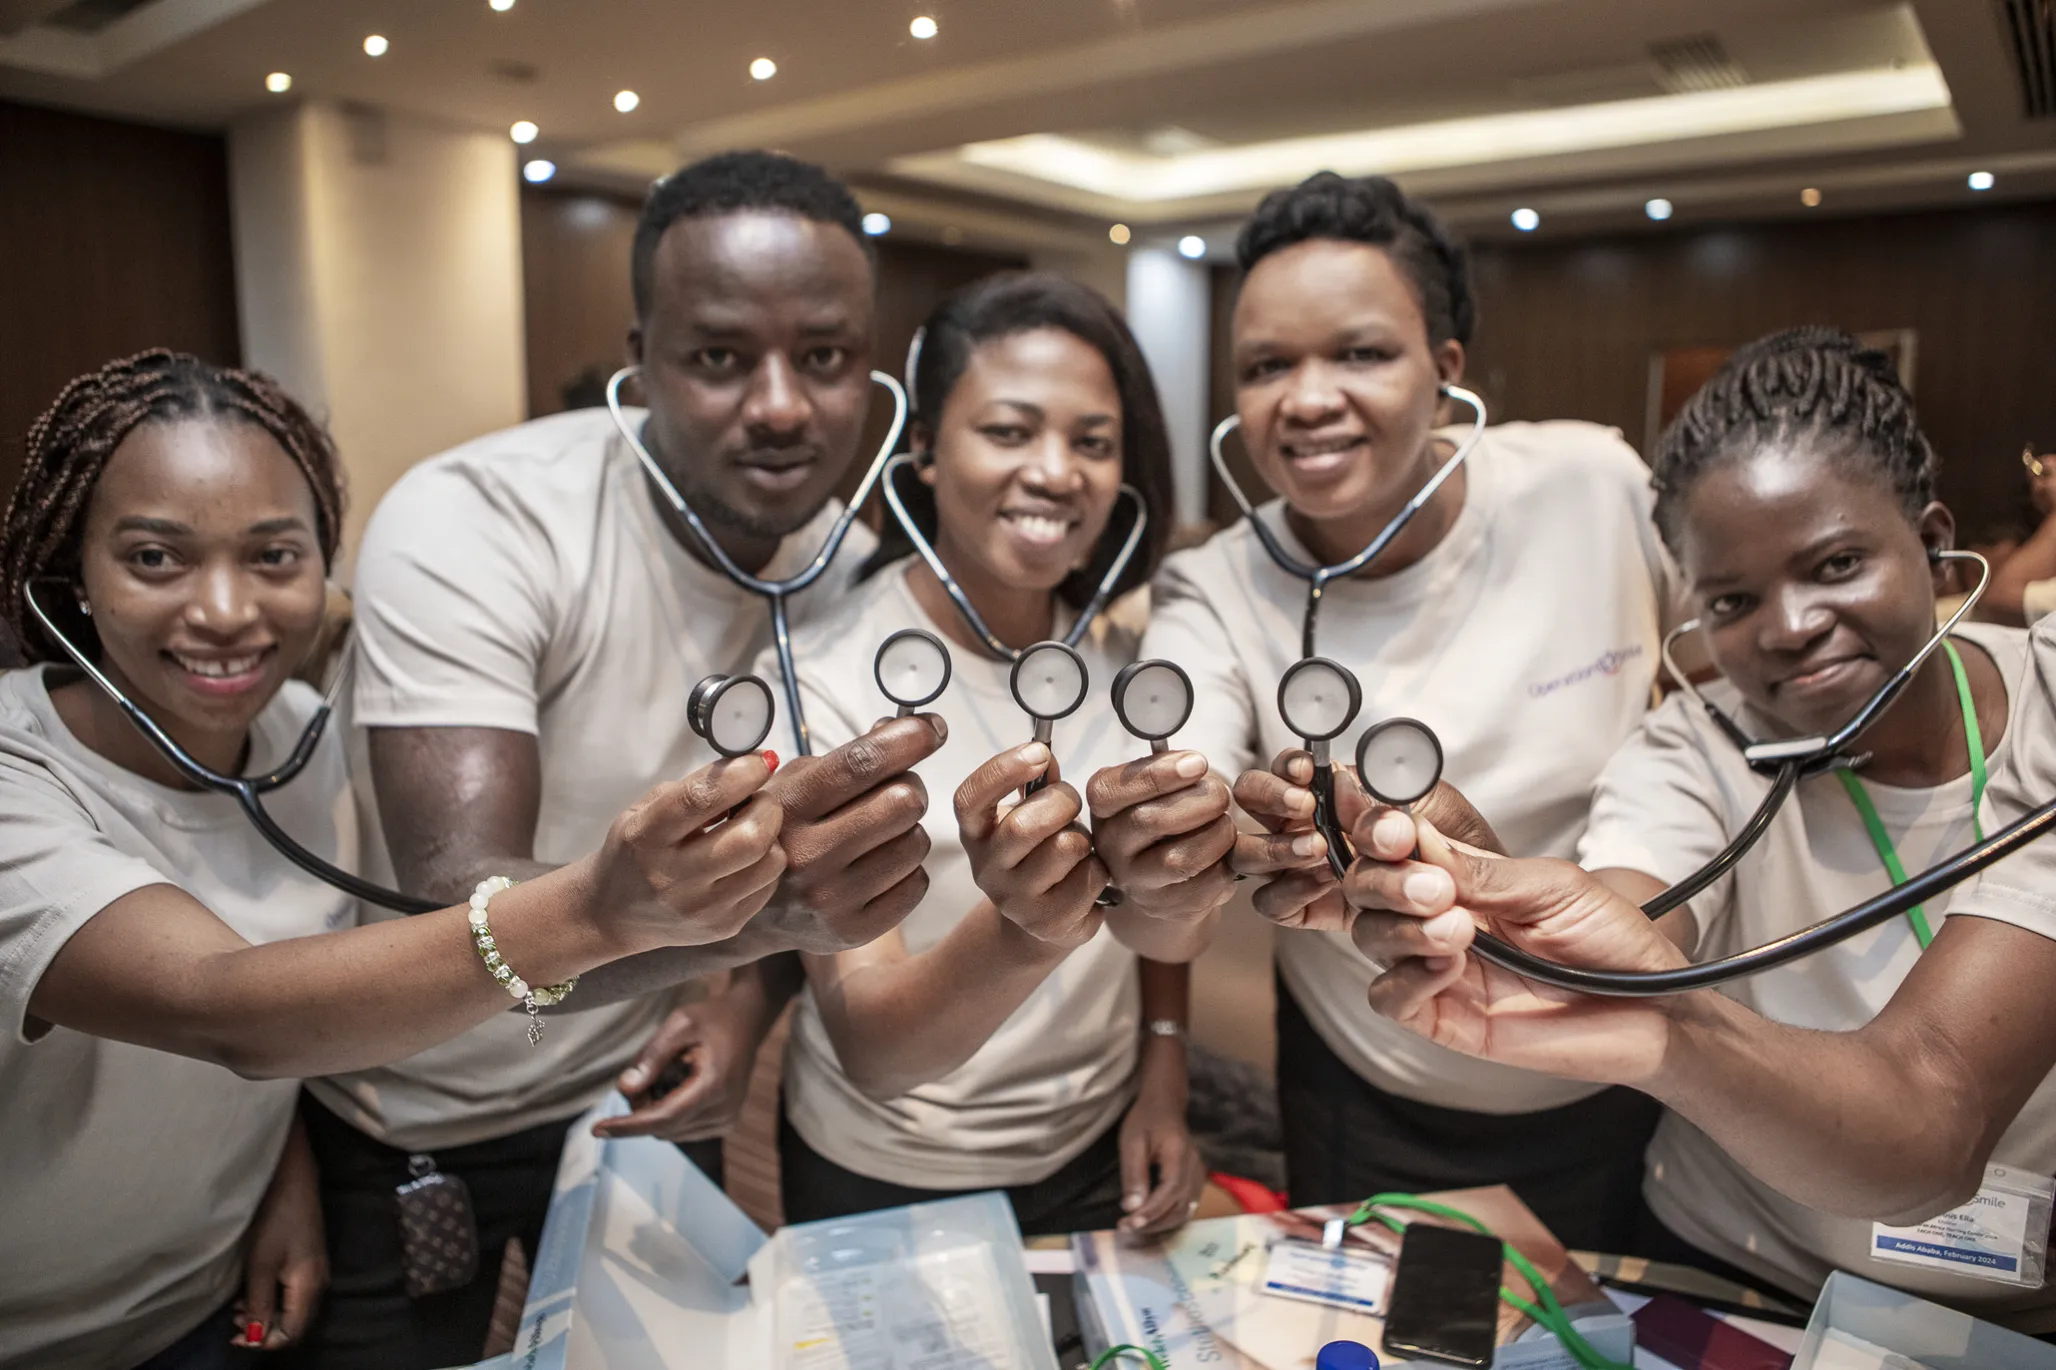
(1567, 330)
(113, 237)
(575, 250)
(380, 278)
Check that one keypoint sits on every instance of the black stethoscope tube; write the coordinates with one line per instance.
(1643, 984)
(775, 591)
(1317, 577)
(247, 791)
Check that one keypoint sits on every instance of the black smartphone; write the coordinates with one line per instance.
(1445, 1296)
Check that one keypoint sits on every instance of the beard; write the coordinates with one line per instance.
(716, 512)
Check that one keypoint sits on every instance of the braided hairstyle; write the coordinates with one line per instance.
(1809, 386)
(1373, 210)
(68, 447)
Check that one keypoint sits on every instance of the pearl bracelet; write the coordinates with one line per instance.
(532, 997)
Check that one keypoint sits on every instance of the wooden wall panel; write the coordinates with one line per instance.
(1567, 329)
(114, 237)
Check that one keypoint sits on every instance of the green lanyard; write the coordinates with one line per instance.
(1882, 840)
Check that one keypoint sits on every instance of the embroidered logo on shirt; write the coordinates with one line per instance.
(1609, 663)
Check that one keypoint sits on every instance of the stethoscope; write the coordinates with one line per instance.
(247, 791)
(1399, 762)
(776, 591)
(1317, 577)
(720, 709)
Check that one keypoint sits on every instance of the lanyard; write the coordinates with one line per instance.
(1875, 826)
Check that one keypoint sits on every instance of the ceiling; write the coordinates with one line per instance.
(1047, 121)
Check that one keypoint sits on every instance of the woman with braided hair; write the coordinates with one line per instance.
(1518, 614)
(1872, 1082)
(176, 520)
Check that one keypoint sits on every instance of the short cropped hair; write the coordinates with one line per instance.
(732, 182)
(1373, 210)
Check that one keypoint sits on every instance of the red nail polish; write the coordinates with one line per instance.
(771, 759)
(254, 1333)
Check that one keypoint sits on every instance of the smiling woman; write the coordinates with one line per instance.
(177, 520)
(996, 1039)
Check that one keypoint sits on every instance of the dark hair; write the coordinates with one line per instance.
(1807, 384)
(1019, 302)
(68, 448)
(1371, 209)
(734, 182)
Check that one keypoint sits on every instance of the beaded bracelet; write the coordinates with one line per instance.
(532, 997)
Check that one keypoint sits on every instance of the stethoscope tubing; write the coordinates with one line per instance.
(968, 611)
(775, 591)
(1645, 984)
(1317, 577)
(248, 791)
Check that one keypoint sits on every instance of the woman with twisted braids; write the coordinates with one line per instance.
(1875, 1081)
(177, 519)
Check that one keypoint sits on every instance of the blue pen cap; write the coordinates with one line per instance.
(1346, 1355)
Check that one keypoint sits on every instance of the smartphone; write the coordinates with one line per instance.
(1445, 1296)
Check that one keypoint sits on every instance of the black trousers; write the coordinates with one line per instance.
(206, 1347)
(1083, 1196)
(1579, 1167)
(367, 1321)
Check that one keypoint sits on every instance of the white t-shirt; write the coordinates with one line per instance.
(1060, 1070)
(1527, 639)
(526, 581)
(1672, 798)
(129, 1176)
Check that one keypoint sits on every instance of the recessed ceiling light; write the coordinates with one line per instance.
(501, 6)
(523, 131)
(279, 82)
(1526, 220)
(922, 27)
(763, 69)
(1118, 234)
(1658, 209)
(1810, 197)
(876, 224)
(538, 171)
(375, 45)
(626, 100)
(1192, 246)
(1981, 180)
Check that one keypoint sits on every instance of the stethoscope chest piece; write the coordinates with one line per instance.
(912, 669)
(1049, 681)
(1152, 699)
(1318, 698)
(732, 712)
(1399, 761)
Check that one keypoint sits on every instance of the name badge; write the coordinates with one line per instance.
(1342, 1277)
(2001, 1235)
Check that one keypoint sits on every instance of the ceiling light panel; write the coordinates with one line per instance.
(1141, 178)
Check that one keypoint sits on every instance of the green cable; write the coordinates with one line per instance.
(1546, 1311)
(1114, 1353)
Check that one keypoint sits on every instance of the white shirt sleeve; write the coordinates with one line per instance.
(455, 602)
(2022, 888)
(57, 870)
(1657, 807)
(1186, 628)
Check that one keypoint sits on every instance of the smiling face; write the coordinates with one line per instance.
(1336, 380)
(1027, 461)
(200, 560)
(756, 363)
(1812, 584)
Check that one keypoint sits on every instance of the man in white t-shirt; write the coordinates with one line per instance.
(531, 618)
